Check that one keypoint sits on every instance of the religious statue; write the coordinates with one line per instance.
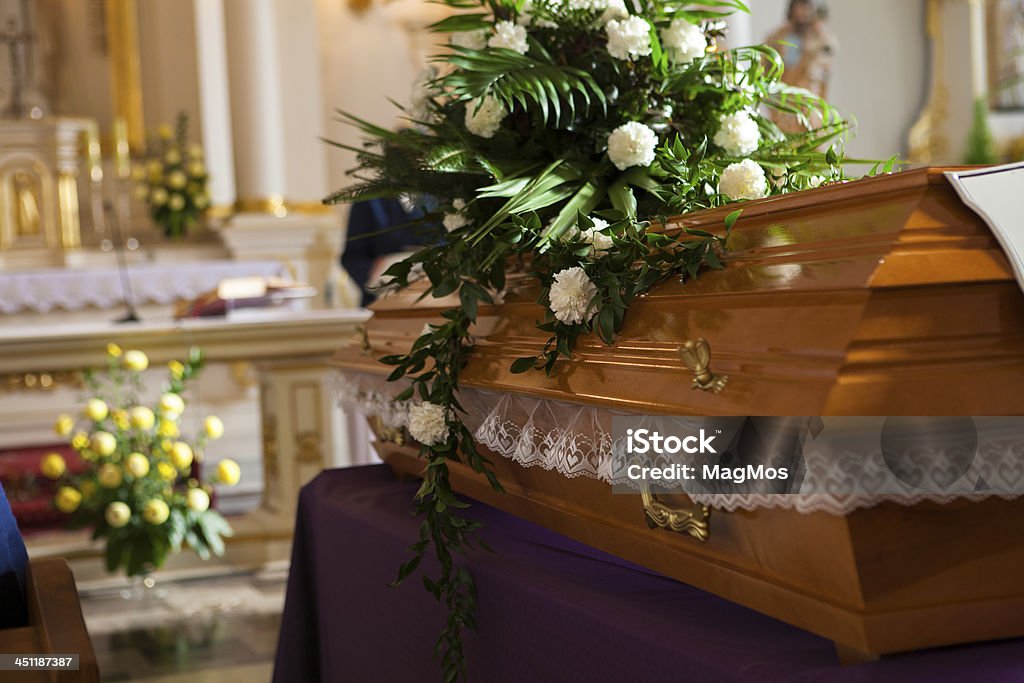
(1007, 21)
(808, 48)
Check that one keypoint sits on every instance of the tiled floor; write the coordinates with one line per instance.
(219, 630)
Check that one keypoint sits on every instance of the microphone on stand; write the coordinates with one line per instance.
(131, 315)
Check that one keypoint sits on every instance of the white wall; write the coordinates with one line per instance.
(880, 74)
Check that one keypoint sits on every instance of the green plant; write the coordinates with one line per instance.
(980, 147)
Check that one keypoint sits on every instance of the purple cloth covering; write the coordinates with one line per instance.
(550, 609)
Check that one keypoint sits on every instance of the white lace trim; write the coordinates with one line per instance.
(576, 440)
(161, 283)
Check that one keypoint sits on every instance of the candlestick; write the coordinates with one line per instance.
(979, 80)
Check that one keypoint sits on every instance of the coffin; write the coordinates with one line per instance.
(882, 297)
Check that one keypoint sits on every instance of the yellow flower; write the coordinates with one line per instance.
(154, 168)
(96, 409)
(156, 512)
(67, 499)
(65, 423)
(109, 476)
(113, 350)
(176, 202)
(197, 500)
(181, 455)
(53, 466)
(214, 427)
(138, 173)
(142, 417)
(166, 471)
(228, 472)
(80, 441)
(195, 151)
(118, 514)
(121, 419)
(165, 131)
(173, 157)
(165, 445)
(88, 488)
(177, 369)
(197, 169)
(201, 201)
(158, 197)
(103, 443)
(177, 180)
(168, 429)
(172, 405)
(136, 360)
(137, 465)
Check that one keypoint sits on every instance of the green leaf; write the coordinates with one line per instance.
(522, 365)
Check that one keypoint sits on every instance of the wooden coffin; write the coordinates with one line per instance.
(885, 296)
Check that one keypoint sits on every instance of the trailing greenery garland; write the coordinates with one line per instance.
(542, 136)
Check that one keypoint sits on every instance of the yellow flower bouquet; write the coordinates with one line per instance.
(173, 179)
(138, 492)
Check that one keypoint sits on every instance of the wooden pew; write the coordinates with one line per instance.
(55, 625)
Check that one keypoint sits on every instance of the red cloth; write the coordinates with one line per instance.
(29, 492)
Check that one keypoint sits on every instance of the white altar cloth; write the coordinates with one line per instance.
(43, 291)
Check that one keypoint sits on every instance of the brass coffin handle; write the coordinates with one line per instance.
(696, 356)
(692, 521)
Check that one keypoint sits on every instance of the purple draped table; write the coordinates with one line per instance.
(550, 609)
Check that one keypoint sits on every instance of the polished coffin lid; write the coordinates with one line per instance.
(885, 296)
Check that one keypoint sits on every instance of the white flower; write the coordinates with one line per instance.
(816, 181)
(422, 95)
(600, 242)
(738, 134)
(780, 177)
(571, 295)
(616, 10)
(198, 500)
(629, 38)
(428, 423)
(683, 41)
(632, 144)
(483, 118)
(510, 37)
(526, 17)
(745, 180)
(457, 219)
(473, 40)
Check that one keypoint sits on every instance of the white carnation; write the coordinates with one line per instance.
(510, 37)
(616, 10)
(473, 40)
(571, 295)
(629, 38)
(526, 17)
(457, 219)
(683, 41)
(745, 180)
(632, 144)
(600, 242)
(738, 134)
(421, 100)
(483, 118)
(428, 423)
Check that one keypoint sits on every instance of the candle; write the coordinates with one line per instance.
(93, 153)
(122, 151)
(978, 76)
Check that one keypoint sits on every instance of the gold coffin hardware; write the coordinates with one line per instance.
(696, 356)
(692, 521)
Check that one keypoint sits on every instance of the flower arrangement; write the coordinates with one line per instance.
(172, 179)
(137, 492)
(557, 134)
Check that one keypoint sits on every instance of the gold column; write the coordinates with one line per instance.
(125, 69)
(67, 199)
